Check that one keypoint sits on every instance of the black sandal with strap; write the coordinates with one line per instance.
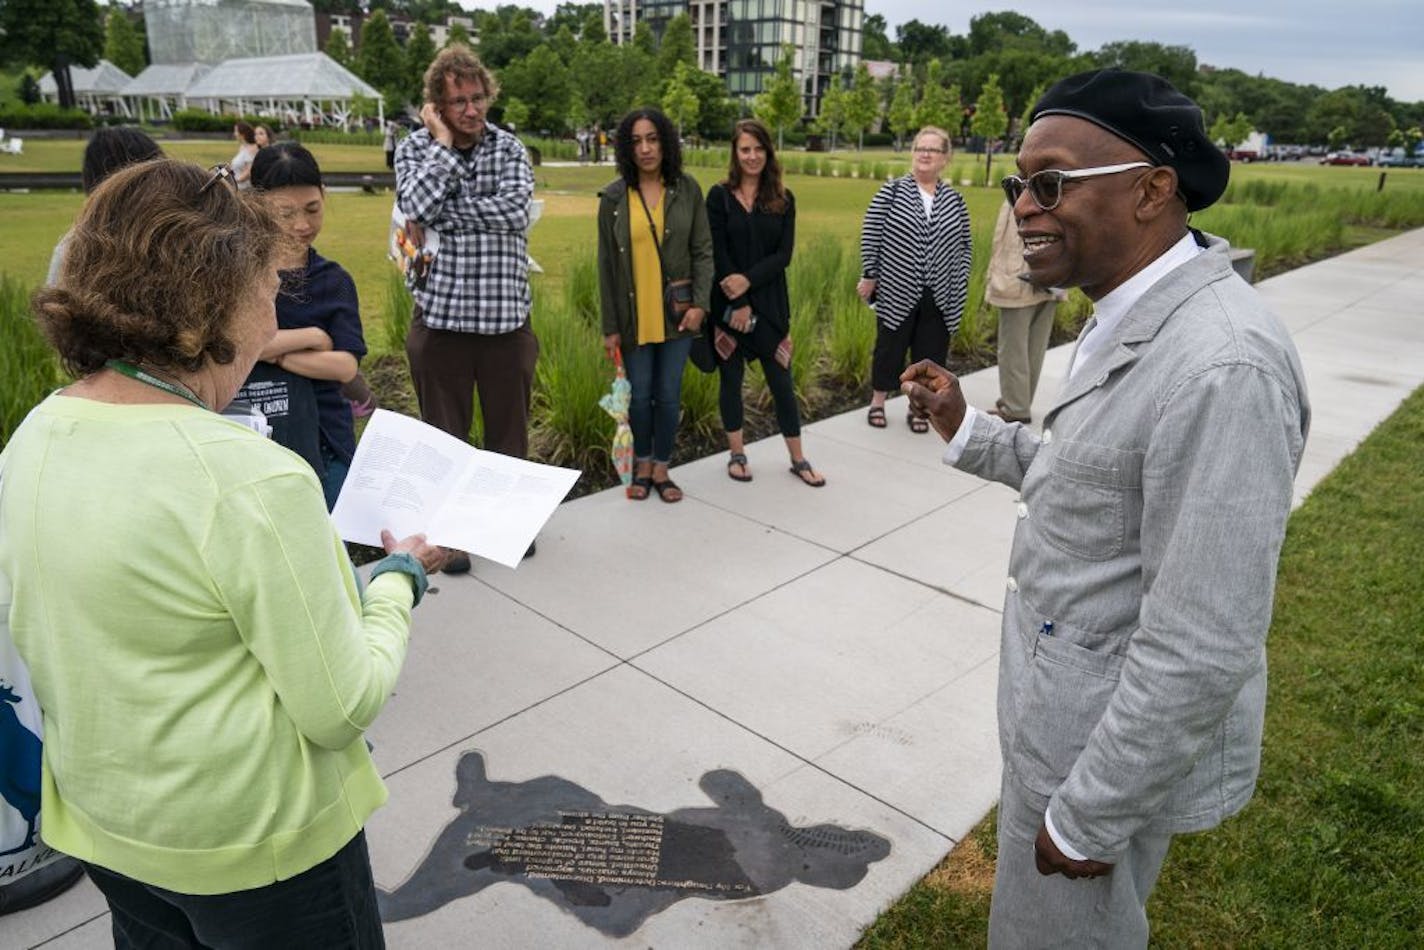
(739, 458)
(643, 485)
(664, 487)
(803, 468)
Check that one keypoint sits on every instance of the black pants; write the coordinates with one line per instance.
(731, 373)
(332, 905)
(923, 333)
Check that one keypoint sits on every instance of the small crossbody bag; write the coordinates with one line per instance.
(677, 294)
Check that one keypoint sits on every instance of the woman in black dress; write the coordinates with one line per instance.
(753, 221)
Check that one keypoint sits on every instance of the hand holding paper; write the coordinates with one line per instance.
(412, 478)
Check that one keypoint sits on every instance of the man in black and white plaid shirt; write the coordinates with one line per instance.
(471, 182)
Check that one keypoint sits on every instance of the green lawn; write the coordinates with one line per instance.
(1328, 853)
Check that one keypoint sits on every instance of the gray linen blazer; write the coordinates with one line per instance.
(1132, 670)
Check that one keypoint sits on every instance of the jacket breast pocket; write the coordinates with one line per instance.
(1087, 499)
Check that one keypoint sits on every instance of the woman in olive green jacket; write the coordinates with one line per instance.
(654, 246)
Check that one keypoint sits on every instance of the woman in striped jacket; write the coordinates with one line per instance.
(914, 272)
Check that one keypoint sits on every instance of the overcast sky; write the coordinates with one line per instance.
(1329, 43)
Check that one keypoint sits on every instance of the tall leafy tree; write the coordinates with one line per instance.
(920, 42)
(338, 47)
(593, 31)
(643, 39)
(573, 16)
(1176, 64)
(779, 103)
(716, 111)
(679, 100)
(677, 46)
(901, 114)
(874, 42)
(380, 61)
(53, 33)
(419, 53)
(862, 104)
(990, 121)
(122, 44)
(565, 44)
(541, 81)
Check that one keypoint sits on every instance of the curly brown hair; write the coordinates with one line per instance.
(457, 60)
(155, 269)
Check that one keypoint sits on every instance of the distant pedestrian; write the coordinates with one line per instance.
(388, 143)
(914, 258)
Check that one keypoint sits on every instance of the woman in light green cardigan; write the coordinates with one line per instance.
(204, 656)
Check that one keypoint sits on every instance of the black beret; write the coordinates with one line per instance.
(1148, 112)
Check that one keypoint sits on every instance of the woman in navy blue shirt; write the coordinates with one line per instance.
(318, 345)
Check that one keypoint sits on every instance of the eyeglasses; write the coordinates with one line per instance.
(923, 150)
(463, 103)
(1046, 187)
(221, 172)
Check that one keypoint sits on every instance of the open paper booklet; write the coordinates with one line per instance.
(411, 257)
(411, 477)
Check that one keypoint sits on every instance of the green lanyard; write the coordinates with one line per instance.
(133, 372)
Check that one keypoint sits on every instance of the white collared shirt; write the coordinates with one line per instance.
(1109, 311)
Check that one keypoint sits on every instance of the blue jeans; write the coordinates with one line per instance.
(334, 477)
(331, 905)
(655, 373)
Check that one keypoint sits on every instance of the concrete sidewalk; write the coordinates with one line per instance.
(767, 711)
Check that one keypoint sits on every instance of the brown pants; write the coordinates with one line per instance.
(448, 367)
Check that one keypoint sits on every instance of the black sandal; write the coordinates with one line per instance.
(917, 423)
(642, 485)
(739, 458)
(664, 487)
(876, 417)
(802, 468)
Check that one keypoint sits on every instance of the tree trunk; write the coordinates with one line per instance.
(63, 81)
(988, 163)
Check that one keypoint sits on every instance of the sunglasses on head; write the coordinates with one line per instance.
(1046, 187)
(220, 172)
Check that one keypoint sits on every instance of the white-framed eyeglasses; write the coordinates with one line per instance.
(1046, 187)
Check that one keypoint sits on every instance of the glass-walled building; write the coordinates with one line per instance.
(741, 40)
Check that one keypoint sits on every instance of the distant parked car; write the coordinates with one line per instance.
(1396, 158)
(1346, 158)
(1243, 155)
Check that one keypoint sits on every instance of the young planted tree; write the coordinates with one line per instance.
(862, 104)
(516, 114)
(1027, 116)
(934, 106)
(122, 45)
(779, 104)
(1230, 131)
(833, 112)
(990, 121)
(901, 115)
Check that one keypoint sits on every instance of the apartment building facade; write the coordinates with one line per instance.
(741, 40)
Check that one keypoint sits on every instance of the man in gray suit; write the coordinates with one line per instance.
(1132, 671)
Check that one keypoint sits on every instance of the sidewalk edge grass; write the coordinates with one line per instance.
(1326, 854)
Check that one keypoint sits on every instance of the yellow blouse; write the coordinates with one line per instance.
(647, 268)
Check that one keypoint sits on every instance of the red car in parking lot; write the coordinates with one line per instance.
(1346, 158)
